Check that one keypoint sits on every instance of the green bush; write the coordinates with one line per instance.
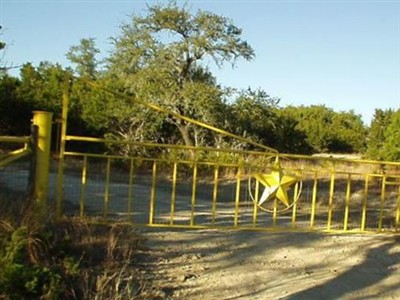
(70, 259)
(26, 269)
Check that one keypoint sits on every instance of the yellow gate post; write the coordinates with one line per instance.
(42, 121)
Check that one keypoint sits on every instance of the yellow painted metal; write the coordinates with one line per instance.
(276, 184)
(346, 211)
(130, 189)
(339, 160)
(83, 187)
(275, 213)
(294, 208)
(149, 159)
(381, 208)
(397, 222)
(314, 200)
(173, 192)
(364, 207)
(255, 209)
(15, 139)
(237, 196)
(331, 197)
(75, 138)
(153, 193)
(194, 189)
(107, 189)
(215, 195)
(241, 160)
(13, 156)
(255, 212)
(42, 120)
(228, 150)
(263, 229)
(60, 175)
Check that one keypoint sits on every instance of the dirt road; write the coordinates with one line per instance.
(259, 265)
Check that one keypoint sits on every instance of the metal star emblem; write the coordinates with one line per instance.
(276, 185)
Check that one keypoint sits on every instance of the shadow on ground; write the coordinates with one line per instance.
(211, 264)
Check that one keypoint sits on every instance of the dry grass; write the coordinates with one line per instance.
(107, 259)
(90, 260)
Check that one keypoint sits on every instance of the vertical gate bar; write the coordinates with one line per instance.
(83, 187)
(215, 195)
(130, 189)
(173, 193)
(294, 209)
(364, 208)
(32, 164)
(383, 195)
(255, 200)
(331, 194)
(60, 175)
(275, 212)
(42, 120)
(346, 210)
(153, 194)
(314, 200)
(107, 189)
(194, 189)
(398, 211)
(237, 197)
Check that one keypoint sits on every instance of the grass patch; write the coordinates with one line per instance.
(71, 259)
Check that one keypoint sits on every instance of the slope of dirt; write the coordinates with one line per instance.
(220, 265)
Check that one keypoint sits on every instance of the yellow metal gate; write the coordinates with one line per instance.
(199, 187)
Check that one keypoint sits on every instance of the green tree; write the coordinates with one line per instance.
(289, 138)
(376, 138)
(83, 56)
(315, 121)
(158, 58)
(3, 45)
(391, 146)
(327, 130)
(42, 86)
(100, 112)
(254, 117)
(349, 134)
(15, 113)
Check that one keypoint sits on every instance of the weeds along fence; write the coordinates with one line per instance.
(188, 187)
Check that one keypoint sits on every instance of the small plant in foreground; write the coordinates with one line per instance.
(69, 259)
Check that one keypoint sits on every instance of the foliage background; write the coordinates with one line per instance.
(162, 57)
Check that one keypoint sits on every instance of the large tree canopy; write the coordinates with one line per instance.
(162, 57)
(159, 57)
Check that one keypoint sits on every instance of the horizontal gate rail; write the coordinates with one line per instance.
(13, 156)
(15, 139)
(9, 157)
(182, 186)
(211, 194)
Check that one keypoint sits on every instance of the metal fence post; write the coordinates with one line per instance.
(42, 120)
(63, 135)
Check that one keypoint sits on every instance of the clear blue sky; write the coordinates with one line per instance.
(344, 54)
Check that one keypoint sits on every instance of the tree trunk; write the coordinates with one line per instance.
(184, 130)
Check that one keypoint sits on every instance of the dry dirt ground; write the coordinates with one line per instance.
(210, 264)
